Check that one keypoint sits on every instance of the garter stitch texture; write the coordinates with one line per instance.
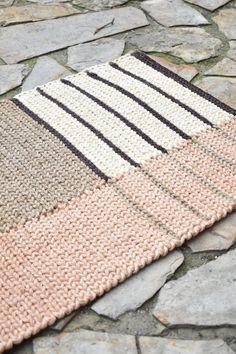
(101, 174)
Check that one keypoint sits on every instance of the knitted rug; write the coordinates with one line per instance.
(101, 174)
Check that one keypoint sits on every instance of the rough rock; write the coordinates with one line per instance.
(223, 88)
(203, 296)
(86, 342)
(225, 67)
(6, 2)
(226, 22)
(11, 76)
(152, 345)
(60, 325)
(97, 5)
(48, 1)
(209, 4)
(136, 290)
(232, 51)
(190, 44)
(28, 40)
(46, 69)
(85, 55)
(188, 72)
(19, 14)
(173, 13)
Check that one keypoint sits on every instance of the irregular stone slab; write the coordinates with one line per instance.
(173, 13)
(97, 5)
(19, 14)
(60, 325)
(221, 87)
(6, 2)
(48, 1)
(46, 69)
(85, 55)
(209, 4)
(24, 41)
(136, 290)
(86, 342)
(11, 76)
(203, 296)
(188, 72)
(225, 67)
(152, 345)
(226, 22)
(190, 44)
(232, 51)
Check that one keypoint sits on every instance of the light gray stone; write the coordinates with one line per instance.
(6, 2)
(188, 72)
(136, 290)
(86, 342)
(97, 5)
(223, 88)
(85, 55)
(190, 44)
(152, 345)
(232, 51)
(28, 40)
(11, 76)
(209, 4)
(48, 1)
(29, 13)
(46, 69)
(173, 13)
(226, 20)
(225, 67)
(203, 296)
(61, 324)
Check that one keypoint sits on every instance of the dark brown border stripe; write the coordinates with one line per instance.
(117, 114)
(147, 60)
(90, 127)
(74, 150)
(158, 89)
(141, 103)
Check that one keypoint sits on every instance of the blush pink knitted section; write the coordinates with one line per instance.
(55, 264)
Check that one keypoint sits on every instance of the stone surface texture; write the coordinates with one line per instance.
(85, 55)
(139, 288)
(189, 43)
(232, 51)
(97, 5)
(188, 72)
(202, 297)
(46, 69)
(151, 345)
(225, 67)
(173, 13)
(11, 76)
(209, 4)
(19, 14)
(86, 342)
(223, 88)
(29, 40)
(226, 22)
(6, 2)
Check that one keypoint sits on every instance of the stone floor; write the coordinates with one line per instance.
(185, 302)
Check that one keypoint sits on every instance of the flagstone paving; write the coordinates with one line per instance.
(185, 303)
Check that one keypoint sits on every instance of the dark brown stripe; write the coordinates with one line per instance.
(152, 63)
(89, 126)
(141, 103)
(117, 114)
(73, 149)
(158, 89)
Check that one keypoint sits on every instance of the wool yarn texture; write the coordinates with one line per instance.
(102, 173)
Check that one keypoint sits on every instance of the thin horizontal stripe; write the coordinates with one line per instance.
(71, 147)
(90, 127)
(118, 115)
(154, 87)
(141, 103)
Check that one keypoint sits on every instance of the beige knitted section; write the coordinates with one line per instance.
(37, 171)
